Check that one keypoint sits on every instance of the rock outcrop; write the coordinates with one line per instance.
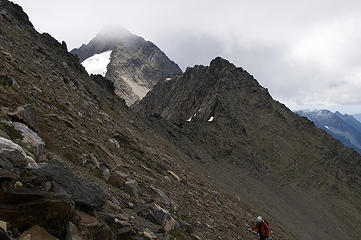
(26, 114)
(13, 156)
(83, 193)
(29, 139)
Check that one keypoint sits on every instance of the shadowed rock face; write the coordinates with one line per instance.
(136, 65)
(232, 127)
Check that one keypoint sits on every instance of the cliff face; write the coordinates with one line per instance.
(256, 146)
(135, 65)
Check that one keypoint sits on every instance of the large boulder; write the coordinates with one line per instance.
(25, 209)
(131, 186)
(31, 140)
(83, 193)
(155, 213)
(36, 232)
(27, 114)
(163, 217)
(12, 155)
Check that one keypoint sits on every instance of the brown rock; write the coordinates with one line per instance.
(36, 233)
(23, 210)
(3, 225)
(111, 207)
(18, 184)
(73, 232)
(174, 175)
(6, 174)
(87, 220)
(102, 232)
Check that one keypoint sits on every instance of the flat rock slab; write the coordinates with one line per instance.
(83, 193)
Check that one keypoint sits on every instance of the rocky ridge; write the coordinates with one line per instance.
(264, 152)
(101, 172)
(135, 66)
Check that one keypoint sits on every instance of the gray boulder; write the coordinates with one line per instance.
(27, 114)
(155, 213)
(31, 140)
(131, 186)
(83, 193)
(164, 218)
(165, 199)
(12, 155)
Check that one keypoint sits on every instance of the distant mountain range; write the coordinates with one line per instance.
(344, 127)
(357, 116)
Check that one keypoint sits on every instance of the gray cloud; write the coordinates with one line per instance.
(305, 52)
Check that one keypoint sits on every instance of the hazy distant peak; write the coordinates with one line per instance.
(115, 33)
(106, 40)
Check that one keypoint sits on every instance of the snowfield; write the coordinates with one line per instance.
(97, 64)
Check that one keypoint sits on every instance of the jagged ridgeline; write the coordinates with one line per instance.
(232, 127)
(76, 162)
(200, 157)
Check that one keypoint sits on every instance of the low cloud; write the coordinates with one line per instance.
(306, 53)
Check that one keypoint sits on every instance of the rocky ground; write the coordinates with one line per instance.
(77, 163)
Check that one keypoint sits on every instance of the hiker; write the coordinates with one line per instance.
(262, 228)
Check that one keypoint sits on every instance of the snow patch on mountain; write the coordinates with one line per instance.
(97, 64)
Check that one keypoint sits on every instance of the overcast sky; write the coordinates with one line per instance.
(307, 53)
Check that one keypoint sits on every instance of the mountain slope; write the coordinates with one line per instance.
(135, 66)
(342, 126)
(357, 116)
(96, 147)
(256, 147)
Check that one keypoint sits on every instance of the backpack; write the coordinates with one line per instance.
(267, 222)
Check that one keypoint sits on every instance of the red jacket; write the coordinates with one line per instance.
(264, 229)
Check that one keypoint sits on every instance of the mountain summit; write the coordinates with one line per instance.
(132, 63)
